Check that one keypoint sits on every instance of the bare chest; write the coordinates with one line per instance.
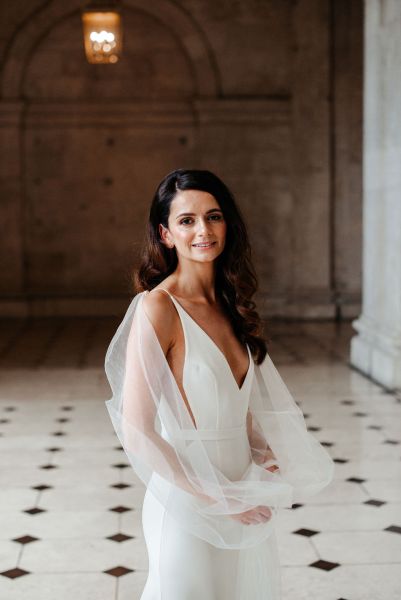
(220, 333)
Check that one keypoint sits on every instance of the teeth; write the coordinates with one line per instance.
(203, 245)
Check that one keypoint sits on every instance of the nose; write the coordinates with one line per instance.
(203, 226)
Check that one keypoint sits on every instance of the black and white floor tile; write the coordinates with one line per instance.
(70, 505)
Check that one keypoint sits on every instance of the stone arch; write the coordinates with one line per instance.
(155, 68)
(38, 24)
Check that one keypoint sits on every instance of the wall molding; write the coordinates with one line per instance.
(243, 111)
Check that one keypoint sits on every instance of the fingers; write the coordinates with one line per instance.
(250, 521)
(265, 511)
(260, 514)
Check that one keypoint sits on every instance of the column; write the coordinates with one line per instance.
(376, 349)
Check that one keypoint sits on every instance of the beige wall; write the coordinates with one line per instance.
(267, 95)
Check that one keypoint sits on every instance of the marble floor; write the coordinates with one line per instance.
(70, 505)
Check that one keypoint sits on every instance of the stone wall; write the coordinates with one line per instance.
(265, 94)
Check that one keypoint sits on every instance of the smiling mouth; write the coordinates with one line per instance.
(204, 244)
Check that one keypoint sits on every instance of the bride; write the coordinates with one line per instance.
(201, 412)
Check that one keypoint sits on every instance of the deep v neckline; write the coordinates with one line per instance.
(239, 389)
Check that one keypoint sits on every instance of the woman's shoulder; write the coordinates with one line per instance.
(157, 302)
(160, 310)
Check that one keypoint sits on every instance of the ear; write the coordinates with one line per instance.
(164, 235)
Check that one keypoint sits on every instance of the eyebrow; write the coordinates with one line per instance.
(188, 214)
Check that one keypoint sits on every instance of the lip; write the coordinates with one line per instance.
(210, 245)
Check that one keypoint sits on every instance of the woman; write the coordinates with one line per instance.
(203, 416)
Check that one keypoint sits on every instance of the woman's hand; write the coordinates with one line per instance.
(266, 456)
(260, 514)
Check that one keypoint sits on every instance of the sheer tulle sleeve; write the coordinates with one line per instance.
(167, 453)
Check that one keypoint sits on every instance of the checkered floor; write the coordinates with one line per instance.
(70, 505)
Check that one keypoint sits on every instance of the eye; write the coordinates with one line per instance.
(185, 221)
(189, 220)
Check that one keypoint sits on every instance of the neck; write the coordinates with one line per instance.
(196, 280)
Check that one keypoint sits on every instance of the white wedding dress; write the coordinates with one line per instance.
(183, 566)
(199, 476)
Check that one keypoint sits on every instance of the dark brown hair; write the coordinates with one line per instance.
(236, 280)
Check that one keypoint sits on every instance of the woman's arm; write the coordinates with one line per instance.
(260, 449)
(139, 407)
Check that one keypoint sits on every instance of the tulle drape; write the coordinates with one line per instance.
(169, 454)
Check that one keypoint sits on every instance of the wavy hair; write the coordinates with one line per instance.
(236, 280)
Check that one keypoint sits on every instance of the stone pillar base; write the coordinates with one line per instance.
(377, 353)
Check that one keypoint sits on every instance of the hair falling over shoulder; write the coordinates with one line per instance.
(236, 279)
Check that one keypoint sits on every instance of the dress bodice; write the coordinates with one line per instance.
(218, 404)
(215, 398)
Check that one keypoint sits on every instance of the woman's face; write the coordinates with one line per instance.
(195, 219)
